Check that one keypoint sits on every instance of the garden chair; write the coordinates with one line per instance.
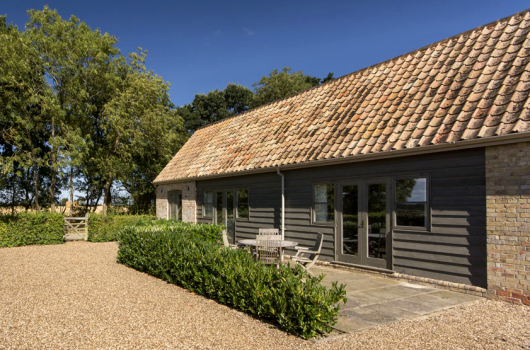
(268, 249)
(268, 231)
(225, 241)
(306, 257)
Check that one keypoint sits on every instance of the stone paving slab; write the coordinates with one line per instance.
(374, 300)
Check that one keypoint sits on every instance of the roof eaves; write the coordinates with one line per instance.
(402, 152)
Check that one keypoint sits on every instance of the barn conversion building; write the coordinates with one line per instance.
(419, 165)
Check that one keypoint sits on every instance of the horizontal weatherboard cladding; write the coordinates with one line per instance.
(452, 249)
(264, 201)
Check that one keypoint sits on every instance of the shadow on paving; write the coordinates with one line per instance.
(373, 300)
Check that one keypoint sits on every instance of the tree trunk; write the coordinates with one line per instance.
(36, 184)
(52, 189)
(97, 201)
(107, 199)
(71, 189)
(27, 201)
(54, 172)
(13, 196)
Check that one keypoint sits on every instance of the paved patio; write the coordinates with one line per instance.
(375, 300)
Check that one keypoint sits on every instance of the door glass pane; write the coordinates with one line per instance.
(230, 223)
(350, 222)
(208, 204)
(377, 221)
(172, 209)
(219, 208)
(242, 201)
(179, 207)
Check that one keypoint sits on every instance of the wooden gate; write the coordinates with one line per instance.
(75, 229)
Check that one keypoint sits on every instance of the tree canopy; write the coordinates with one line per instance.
(73, 108)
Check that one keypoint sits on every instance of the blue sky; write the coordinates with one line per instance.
(199, 46)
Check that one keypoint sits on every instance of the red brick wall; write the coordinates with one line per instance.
(508, 222)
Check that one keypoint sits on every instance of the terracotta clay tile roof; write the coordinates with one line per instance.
(473, 85)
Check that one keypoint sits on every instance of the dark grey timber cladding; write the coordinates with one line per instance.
(454, 249)
(264, 195)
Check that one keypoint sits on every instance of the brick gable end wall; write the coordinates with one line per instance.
(188, 200)
(508, 222)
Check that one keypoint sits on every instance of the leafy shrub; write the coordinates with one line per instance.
(212, 233)
(31, 228)
(297, 302)
(105, 228)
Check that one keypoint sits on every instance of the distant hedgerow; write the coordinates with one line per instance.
(106, 228)
(28, 228)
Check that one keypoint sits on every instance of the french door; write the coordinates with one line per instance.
(363, 223)
(224, 215)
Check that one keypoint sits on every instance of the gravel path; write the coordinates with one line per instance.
(75, 296)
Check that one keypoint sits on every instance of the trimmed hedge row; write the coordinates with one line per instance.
(181, 255)
(212, 233)
(105, 228)
(31, 228)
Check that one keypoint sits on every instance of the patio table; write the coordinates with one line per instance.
(252, 243)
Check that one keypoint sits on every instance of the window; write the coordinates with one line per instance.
(208, 205)
(242, 203)
(411, 202)
(323, 203)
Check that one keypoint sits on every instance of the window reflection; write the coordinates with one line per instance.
(324, 203)
(411, 202)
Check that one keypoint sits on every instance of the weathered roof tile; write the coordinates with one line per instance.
(474, 85)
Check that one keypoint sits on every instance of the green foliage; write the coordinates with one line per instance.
(209, 232)
(279, 85)
(26, 105)
(214, 106)
(31, 228)
(106, 228)
(179, 254)
(70, 101)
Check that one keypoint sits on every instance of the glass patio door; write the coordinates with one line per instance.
(225, 213)
(363, 223)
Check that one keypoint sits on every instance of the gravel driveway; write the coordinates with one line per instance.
(75, 296)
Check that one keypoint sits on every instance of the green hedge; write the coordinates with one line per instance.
(105, 228)
(212, 233)
(290, 297)
(31, 228)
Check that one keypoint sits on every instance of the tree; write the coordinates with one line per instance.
(26, 105)
(76, 62)
(139, 129)
(279, 85)
(214, 106)
(71, 103)
(328, 77)
(238, 98)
